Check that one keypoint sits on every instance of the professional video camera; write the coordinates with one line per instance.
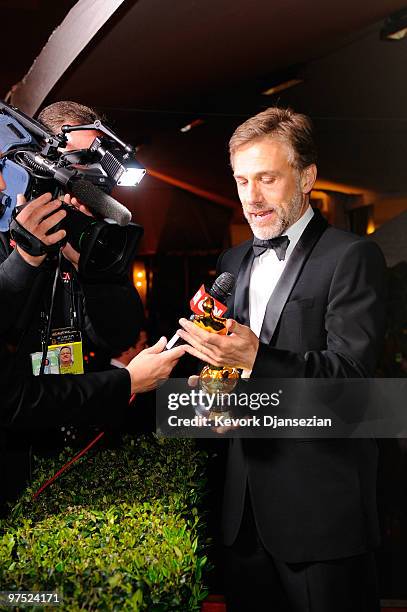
(33, 162)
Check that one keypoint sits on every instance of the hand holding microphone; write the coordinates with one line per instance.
(238, 349)
(100, 202)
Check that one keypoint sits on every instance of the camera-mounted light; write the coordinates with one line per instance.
(115, 157)
(132, 175)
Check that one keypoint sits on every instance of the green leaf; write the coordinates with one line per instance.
(178, 552)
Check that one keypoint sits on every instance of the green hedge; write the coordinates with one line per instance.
(122, 530)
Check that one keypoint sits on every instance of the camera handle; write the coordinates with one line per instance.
(27, 241)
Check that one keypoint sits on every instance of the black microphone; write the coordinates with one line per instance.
(89, 194)
(100, 202)
(220, 290)
(222, 286)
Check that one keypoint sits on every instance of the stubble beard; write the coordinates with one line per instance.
(286, 217)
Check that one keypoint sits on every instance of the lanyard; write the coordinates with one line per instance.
(69, 314)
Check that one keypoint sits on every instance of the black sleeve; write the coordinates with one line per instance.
(39, 402)
(47, 401)
(16, 280)
(354, 321)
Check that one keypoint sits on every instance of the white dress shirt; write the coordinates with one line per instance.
(266, 271)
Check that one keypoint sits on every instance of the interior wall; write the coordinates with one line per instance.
(386, 208)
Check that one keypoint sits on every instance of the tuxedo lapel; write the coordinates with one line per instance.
(289, 277)
(241, 311)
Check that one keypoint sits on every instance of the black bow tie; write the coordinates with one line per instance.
(279, 244)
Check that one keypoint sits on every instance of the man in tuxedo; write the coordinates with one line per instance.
(299, 517)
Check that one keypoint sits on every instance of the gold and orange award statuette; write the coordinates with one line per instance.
(219, 380)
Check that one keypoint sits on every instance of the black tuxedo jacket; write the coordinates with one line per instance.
(30, 406)
(312, 499)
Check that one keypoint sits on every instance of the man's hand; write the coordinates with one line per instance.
(75, 203)
(238, 349)
(152, 365)
(68, 251)
(32, 218)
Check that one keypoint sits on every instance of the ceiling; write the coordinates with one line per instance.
(156, 66)
(159, 55)
(26, 27)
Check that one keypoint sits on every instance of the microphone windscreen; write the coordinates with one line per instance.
(222, 287)
(220, 290)
(100, 202)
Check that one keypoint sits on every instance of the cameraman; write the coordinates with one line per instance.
(30, 405)
(89, 306)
